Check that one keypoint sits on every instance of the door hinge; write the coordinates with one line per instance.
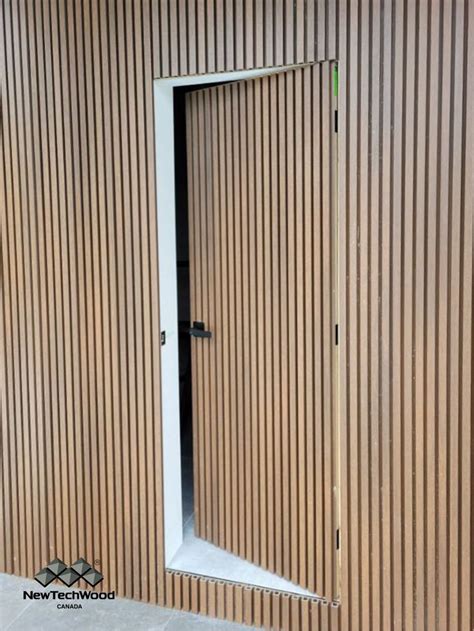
(338, 539)
(163, 338)
(336, 334)
(335, 121)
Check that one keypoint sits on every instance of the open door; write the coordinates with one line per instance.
(262, 180)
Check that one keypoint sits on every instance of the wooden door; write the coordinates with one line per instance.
(262, 175)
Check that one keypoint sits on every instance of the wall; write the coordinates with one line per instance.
(80, 377)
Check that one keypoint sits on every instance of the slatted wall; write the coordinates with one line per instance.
(81, 394)
(80, 355)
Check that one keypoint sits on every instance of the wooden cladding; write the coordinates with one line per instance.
(80, 398)
(262, 173)
(202, 37)
(80, 389)
(406, 346)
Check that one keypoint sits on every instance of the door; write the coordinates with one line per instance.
(262, 180)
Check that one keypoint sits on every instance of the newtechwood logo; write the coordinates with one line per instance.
(57, 569)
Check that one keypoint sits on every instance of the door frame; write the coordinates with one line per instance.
(163, 92)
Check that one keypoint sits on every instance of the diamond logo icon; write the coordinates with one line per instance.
(45, 577)
(81, 567)
(93, 577)
(69, 576)
(56, 567)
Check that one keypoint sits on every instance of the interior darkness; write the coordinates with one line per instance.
(182, 263)
(182, 275)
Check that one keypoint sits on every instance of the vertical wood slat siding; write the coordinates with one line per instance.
(405, 201)
(200, 37)
(80, 396)
(405, 262)
(283, 445)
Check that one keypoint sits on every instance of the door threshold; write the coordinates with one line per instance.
(197, 556)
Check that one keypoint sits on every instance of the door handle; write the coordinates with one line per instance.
(197, 330)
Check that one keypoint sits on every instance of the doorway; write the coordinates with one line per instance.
(260, 453)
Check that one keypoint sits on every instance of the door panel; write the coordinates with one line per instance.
(262, 178)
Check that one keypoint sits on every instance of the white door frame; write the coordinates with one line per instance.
(166, 212)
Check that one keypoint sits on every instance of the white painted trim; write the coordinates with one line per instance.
(166, 210)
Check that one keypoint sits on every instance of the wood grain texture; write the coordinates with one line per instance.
(80, 369)
(290, 331)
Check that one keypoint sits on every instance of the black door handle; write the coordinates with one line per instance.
(197, 330)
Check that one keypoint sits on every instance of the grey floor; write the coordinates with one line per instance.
(200, 557)
(18, 614)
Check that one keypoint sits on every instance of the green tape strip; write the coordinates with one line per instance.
(336, 81)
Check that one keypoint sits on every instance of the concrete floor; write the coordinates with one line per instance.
(17, 614)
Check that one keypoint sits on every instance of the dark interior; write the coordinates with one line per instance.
(182, 274)
(182, 263)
